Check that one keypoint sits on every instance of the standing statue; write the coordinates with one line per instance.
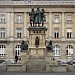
(49, 46)
(43, 18)
(24, 46)
(37, 17)
(32, 14)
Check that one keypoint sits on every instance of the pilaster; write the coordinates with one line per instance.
(25, 27)
(8, 25)
(12, 26)
(74, 34)
(63, 24)
(74, 27)
(63, 28)
(50, 26)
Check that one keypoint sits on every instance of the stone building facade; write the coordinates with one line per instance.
(14, 21)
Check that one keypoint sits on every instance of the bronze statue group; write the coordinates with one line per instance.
(37, 17)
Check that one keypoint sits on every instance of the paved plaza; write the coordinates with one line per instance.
(24, 73)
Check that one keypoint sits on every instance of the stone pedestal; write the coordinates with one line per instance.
(37, 51)
(49, 56)
(23, 57)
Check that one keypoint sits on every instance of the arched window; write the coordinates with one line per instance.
(69, 51)
(2, 50)
(18, 50)
(56, 50)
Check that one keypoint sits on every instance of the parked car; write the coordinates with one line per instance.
(62, 62)
(73, 61)
(2, 61)
(7, 62)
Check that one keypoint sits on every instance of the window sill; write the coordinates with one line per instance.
(69, 22)
(69, 55)
(2, 22)
(57, 55)
(18, 22)
(69, 38)
(56, 22)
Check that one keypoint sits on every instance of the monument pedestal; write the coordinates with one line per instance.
(37, 37)
(49, 55)
(23, 57)
(37, 53)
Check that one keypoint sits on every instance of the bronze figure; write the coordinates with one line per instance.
(24, 46)
(37, 17)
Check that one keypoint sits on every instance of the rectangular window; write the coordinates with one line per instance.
(69, 18)
(19, 18)
(56, 33)
(69, 33)
(56, 18)
(2, 18)
(18, 33)
(2, 33)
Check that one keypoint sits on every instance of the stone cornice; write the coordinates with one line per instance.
(37, 3)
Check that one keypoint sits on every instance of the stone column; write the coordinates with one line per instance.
(25, 23)
(50, 26)
(63, 29)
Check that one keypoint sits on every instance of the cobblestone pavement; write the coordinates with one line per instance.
(24, 73)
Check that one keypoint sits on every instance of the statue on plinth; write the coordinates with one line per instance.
(32, 14)
(49, 47)
(37, 17)
(24, 46)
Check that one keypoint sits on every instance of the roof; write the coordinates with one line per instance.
(37, 2)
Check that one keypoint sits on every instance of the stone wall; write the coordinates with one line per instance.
(14, 67)
(30, 67)
(3, 67)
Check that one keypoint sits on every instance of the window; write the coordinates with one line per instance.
(69, 51)
(2, 33)
(69, 33)
(2, 50)
(18, 33)
(56, 50)
(2, 18)
(56, 18)
(69, 18)
(56, 33)
(19, 18)
(18, 50)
